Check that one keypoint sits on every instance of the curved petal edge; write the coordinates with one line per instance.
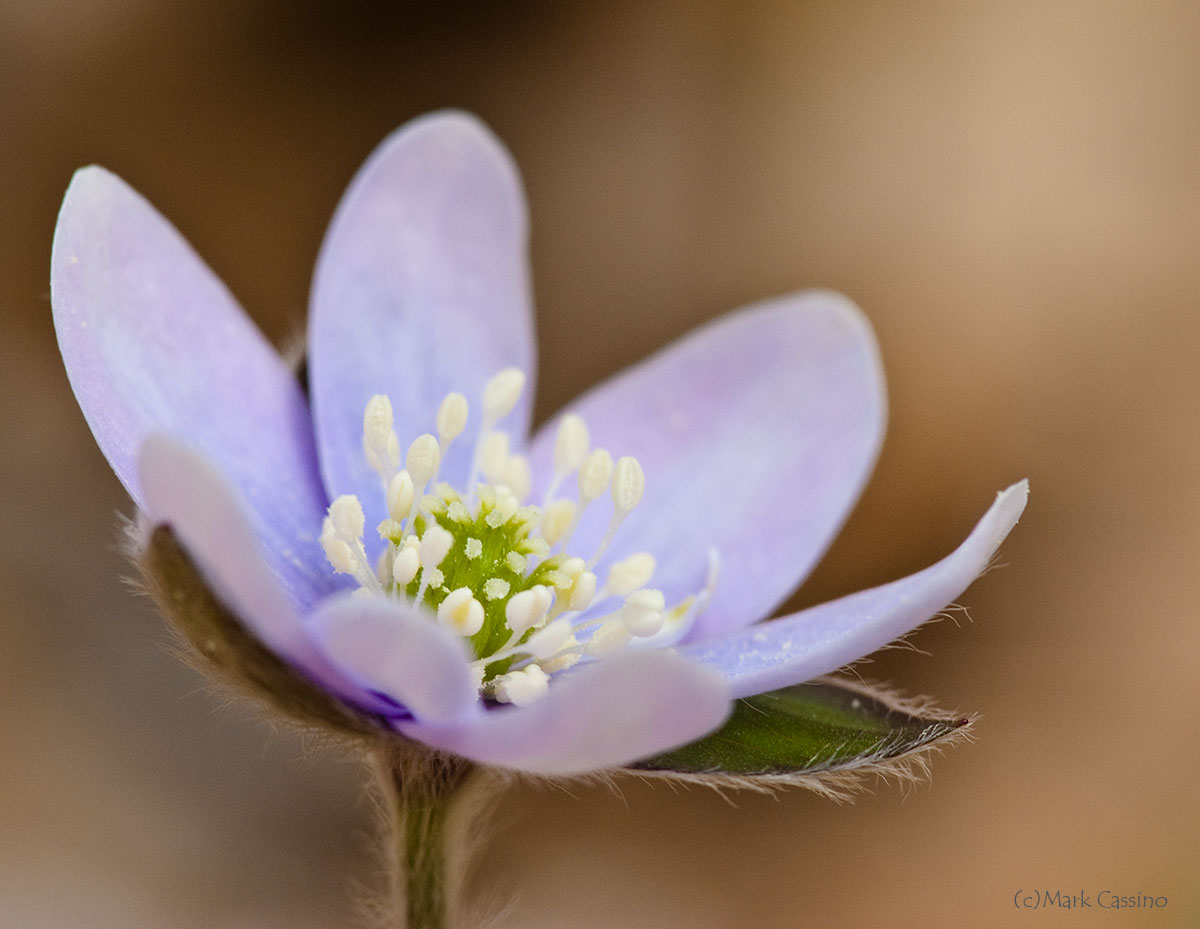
(605, 714)
(154, 342)
(183, 490)
(397, 650)
(422, 287)
(805, 645)
(757, 434)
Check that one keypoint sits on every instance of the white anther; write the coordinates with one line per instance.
(527, 608)
(340, 555)
(495, 588)
(341, 538)
(642, 613)
(400, 495)
(422, 460)
(628, 574)
(582, 592)
(435, 546)
(627, 486)
(451, 419)
(609, 638)
(346, 516)
(517, 476)
(628, 483)
(564, 659)
(461, 612)
(377, 419)
(521, 688)
(545, 642)
(501, 393)
(572, 567)
(559, 517)
(473, 548)
(379, 439)
(504, 509)
(571, 443)
(405, 566)
(594, 475)
(493, 452)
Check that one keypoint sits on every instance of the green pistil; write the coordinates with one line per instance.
(486, 547)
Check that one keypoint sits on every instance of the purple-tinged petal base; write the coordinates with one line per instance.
(393, 648)
(602, 715)
(805, 645)
(184, 491)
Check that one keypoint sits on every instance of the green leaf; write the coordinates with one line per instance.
(826, 725)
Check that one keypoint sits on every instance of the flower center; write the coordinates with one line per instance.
(492, 568)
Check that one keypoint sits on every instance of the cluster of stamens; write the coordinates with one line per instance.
(492, 568)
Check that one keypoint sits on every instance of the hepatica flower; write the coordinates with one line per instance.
(393, 537)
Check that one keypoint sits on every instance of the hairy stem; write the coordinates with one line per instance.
(432, 799)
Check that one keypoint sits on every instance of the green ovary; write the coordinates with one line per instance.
(490, 557)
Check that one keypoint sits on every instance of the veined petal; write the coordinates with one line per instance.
(422, 288)
(398, 650)
(805, 645)
(153, 342)
(184, 491)
(756, 434)
(605, 714)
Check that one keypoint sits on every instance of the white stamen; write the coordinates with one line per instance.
(627, 487)
(435, 545)
(628, 574)
(346, 514)
(493, 452)
(571, 443)
(518, 476)
(422, 460)
(563, 659)
(522, 687)
(400, 495)
(405, 566)
(642, 613)
(558, 519)
(628, 484)
(527, 608)
(609, 638)
(341, 538)
(594, 476)
(572, 567)
(461, 612)
(545, 642)
(501, 393)
(451, 419)
(488, 517)
(504, 509)
(582, 592)
(339, 554)
(379, 439)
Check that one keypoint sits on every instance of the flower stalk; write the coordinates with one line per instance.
(432, 801)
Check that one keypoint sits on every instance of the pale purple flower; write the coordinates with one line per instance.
(755, 434)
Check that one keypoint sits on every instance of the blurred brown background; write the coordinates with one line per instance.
(1011, 192)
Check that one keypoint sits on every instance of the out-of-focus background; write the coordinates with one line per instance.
(1010, 191)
